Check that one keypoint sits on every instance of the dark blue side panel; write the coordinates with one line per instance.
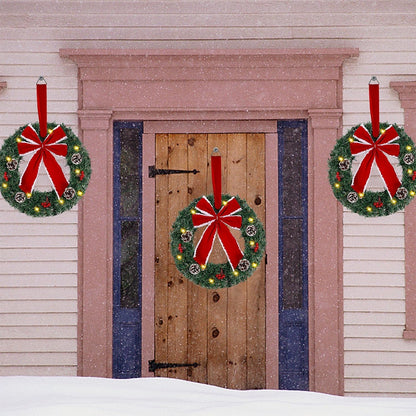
(127, 246)
(293, 255)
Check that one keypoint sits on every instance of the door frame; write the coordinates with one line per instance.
(184, 85)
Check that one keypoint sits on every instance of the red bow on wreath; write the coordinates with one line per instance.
(376, 152)
(43, 151)
(217, 224)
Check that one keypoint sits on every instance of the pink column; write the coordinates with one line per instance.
(148, 253)
(325, 264)
(407, 95)
(95, 266)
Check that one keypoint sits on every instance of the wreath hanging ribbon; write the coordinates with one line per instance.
(43, 151)
(217, 225)
(375, 153)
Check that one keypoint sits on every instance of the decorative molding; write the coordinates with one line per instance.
(325, 118)
(95, 119)
(161, 82)
(407, 95)
(181, 88)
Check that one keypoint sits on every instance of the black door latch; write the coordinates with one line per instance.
(153, 171)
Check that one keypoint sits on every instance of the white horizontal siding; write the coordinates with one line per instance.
(38, 293)
(377, 358)
(32, 32)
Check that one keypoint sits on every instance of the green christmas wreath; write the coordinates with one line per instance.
(36, 203)
(398, 192)
(212, 275)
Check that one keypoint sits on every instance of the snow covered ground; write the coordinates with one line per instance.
(77, 396)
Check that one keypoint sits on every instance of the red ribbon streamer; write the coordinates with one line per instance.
(217, 224)
(376, 152)
(42, 107)
(373, 90)
(43, 151)
(216, 180)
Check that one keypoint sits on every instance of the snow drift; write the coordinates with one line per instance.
(64, 396)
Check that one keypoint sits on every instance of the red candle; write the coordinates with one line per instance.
(216, 177)
(42, 107)
(373, 89)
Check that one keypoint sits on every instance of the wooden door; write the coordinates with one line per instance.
(221, 330)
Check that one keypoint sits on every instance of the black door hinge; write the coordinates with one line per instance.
(153, 171)
(153, 365)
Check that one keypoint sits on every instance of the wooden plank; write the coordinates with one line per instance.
(379, 344)
(177, 284)
(38, 359)
(374, 292)
(38, 306)
(45, 242)
(382, 280)
(207, 18)
(162, 255)
(38, 229)
(38, 280)
(237, 295)
(16, 217)
(28, 293)
(373, 230)
(49, 370)
(197, 296)
(39, 254)
(380, 358)
(39, 267)
(217, 300)
(377, 394)
(362, 241)
(364, 318)
(39, 319)
(370, 43)
(38, 345)
(380, 385)
(256, 295)
(373, 331)
(354, 219)
(362, 32)
(380, 372)
(48, 332)
(373, 305)
(125, 8)
(112, 32)
(373, 266)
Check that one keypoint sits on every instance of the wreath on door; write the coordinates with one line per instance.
(217, 213)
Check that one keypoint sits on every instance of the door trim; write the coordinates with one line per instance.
(208, 85)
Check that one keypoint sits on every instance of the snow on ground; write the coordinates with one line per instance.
(79, 396)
